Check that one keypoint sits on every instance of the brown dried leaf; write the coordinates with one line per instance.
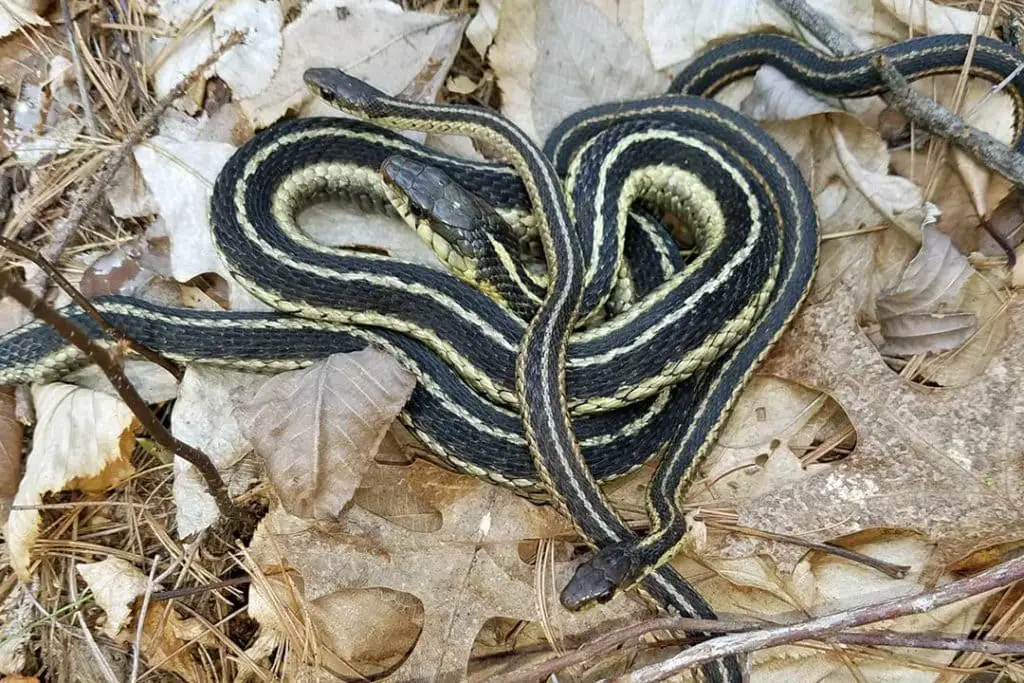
(169, 642)
(944, 463)
(318, 429)
(10, 451)
(384, 45)
(824, 584)
(463, 574)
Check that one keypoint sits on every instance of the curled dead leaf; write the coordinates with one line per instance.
(911, 313)
(83, 439)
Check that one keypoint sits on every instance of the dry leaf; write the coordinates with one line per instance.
(383, 45)
(846, 165)
(773, 97)
(931, 18)
(484, 24)
(390, 621)
(573, 69)
(181, 176)
(14, 16)
(463, 573)
(676, 30)
(178, 57)
(514, 59)
(10, 451)
(115, 584)
(318, 429)
(203, 418)
(944, 463)
(823, 584)
(17, 612)
(83, 439)
(168, 642)
(914, 315)
(248, 67)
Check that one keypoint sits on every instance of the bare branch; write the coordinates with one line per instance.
(112, 369)
(86, 305)
(824, 628)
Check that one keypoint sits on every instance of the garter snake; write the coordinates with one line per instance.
(480, 339)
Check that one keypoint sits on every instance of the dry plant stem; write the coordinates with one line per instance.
(940, 121)
(896, 571)
(86, 305)
(76, 59)
(194, 590)
(137, 646)
(85, 203)
(609, 642)
(819, 25)
(112, 369)
(823, 628)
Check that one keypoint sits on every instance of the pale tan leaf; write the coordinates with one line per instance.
(17, 612)
(895, 198)
(932, 18)
(81, 435)
(15, 15)
(203, 418)
(484, 24)
(573, 69)
(944, 463)
(180, 175)
(115, 584)
(774, 97)
(318, 429)
(822, 584)
(169, 642)
(514, 60)
(383, 45)
(676, 30)
(918, 314)
(248, 67)
(391, 623)
(178, 57)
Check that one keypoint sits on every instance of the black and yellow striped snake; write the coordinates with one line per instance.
(512, 385)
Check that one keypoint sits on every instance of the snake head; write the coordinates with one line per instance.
(455, 213)
(345, 92)
(598, 579)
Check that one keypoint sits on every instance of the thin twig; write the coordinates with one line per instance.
(820, 26)
(112, 369)
(86, 305)
(896, 571)
(84, 204)
(137, 647)
(205, 588)
(611, 641)
(823, 628)
(76, 60)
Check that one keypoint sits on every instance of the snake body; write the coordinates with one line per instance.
(514, 391)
